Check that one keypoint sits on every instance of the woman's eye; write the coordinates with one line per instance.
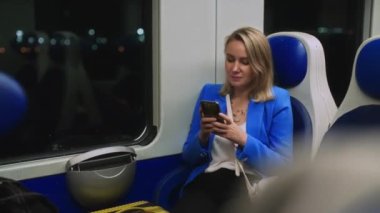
(230, 59)
(244, 61)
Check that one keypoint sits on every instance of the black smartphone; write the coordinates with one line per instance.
(211, 109)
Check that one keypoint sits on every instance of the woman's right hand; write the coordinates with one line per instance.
(206, 128)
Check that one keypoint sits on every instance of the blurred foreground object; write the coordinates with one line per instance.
(342, 179)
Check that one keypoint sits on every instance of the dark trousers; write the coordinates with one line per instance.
(218, 191)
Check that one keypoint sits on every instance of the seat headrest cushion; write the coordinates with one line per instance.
(368, 69)
(289, 60)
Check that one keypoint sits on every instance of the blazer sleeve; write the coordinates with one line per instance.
(192, 152)
(267, 157)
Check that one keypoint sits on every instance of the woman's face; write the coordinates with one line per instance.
(238, 70)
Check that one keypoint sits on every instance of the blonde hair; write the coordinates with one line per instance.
(260, 60)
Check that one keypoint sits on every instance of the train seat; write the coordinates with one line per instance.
(345, 167)
(13, 103)
(299, 66)
(359, 113)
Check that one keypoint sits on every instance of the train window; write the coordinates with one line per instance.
(86, 68)
(338, 24)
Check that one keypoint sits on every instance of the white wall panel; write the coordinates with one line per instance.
(375, 18)
(232, 15)
(187, 61)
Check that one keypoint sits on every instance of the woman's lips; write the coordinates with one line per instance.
(236, 78)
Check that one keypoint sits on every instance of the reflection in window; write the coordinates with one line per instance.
(86, 68)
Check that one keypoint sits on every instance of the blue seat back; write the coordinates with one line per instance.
(302, 131)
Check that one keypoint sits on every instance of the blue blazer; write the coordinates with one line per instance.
(269, 128)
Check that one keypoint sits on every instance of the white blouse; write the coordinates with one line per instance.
(223, 153)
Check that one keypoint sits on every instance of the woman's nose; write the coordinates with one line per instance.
(236, 66)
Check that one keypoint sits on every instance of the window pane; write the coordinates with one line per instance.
(86, 67)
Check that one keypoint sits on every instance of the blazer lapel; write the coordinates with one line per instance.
(254, 117)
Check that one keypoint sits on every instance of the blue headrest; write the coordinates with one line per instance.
(13, 103)
(368, 69)
(289, 60)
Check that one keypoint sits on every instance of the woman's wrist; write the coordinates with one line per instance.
(203, 138)
(242, 141)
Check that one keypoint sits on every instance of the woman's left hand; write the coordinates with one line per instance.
(230, 130)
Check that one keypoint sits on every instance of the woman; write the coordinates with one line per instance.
(258, 131)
